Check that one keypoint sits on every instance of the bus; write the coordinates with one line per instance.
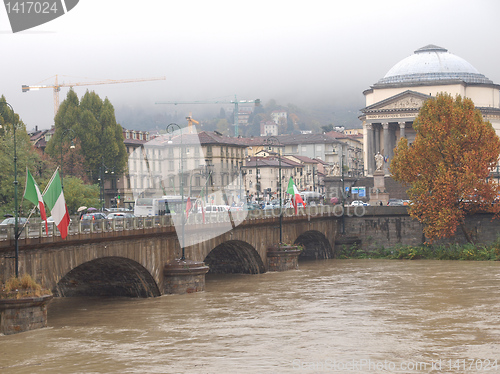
(157, 206)
(150, 206)
(311, 198)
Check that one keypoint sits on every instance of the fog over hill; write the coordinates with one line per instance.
(148, 118)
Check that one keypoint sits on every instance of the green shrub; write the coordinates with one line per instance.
(465, 252)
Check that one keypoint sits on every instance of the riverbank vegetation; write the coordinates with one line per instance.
(17, 288)
(468, 252)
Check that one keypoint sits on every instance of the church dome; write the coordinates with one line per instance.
(431, 64)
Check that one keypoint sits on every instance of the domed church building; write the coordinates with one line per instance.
(394, 101)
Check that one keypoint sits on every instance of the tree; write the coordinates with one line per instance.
(327, 128)
(223, 126)
(99, 138)
(76, 194)
(448, 164)
(26, 158)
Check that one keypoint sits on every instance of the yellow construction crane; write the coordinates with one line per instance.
(190, 123)
(57, 86)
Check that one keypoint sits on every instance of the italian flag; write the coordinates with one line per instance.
(54, 198)
(293, 190)
(32, 193)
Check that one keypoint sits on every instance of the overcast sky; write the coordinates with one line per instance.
(311, 53)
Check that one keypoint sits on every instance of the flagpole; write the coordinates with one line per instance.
(50, 181)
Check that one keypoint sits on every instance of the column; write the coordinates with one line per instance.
(387, 145)
(370, 140)
(402, 126)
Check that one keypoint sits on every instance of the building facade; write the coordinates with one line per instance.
(395, 100)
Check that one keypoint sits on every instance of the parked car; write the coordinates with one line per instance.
(269, 206)
(49, 221)
(119, 215)
(122, 219)
(93, 218)
(396, 202)
(359, 203)
(11, 221)
(252, 206)
(217, 208)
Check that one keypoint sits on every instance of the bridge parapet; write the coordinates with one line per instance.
(34, 232)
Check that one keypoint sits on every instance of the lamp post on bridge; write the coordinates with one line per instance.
(270, 141)
(103, 170)
(181, 275)
(170, 130)
(72, 146)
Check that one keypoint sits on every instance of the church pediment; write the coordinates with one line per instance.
(408, 100)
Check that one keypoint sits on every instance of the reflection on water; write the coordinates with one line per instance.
(329, 316)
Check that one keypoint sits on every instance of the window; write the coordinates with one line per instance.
(250, 171)
(127, 135)
(171, 165)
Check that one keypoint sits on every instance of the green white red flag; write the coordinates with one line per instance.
(54, 198)
(294, 191)
(32, 193)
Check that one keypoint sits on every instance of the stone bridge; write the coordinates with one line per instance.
(131, 262)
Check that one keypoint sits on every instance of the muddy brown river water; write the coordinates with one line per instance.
(357, 316)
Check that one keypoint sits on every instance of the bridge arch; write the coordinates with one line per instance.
(108, 276)
(235, 256)
(316, 246)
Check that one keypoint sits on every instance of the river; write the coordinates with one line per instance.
(362, 316)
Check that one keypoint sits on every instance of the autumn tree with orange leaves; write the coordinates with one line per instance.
(447, 166)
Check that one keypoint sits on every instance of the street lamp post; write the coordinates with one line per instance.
(104, 170)
(241, 180)
(257, 186)
(272, 140)
(170, 130)
(72, 146)
(16, 215)
(343, 192)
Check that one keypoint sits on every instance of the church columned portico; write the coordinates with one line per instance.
(383, 137)
(393, 103)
